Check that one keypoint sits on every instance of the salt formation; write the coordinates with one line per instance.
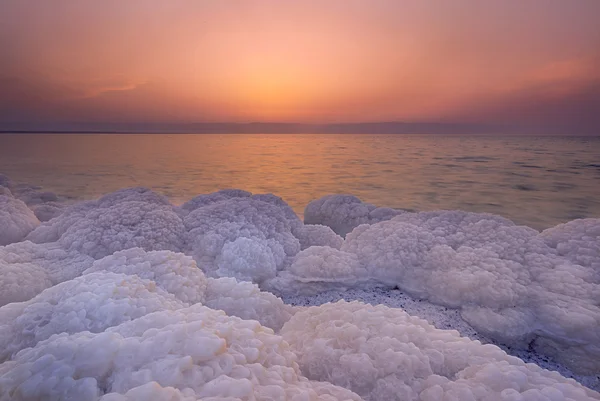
(20, 283)
(134, 217)
(317, 269)
(245, 238)
(318, 235)
(119, 295)
(385, 354)
(345, 212)
(509, 284)
(59, 264)
(208, 199)
(47, 211)
(89, 303)
(16, 219)
(247, 301)
(199, 352)
(44, 204)
(173, 272)
(577, 240)
(179, 275)
(27, 268)
(31, 195)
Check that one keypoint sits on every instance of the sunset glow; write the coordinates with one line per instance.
(306, 62)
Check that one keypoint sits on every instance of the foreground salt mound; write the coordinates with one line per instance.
(134, 217)
(199, 352)
(383, 353)
(26, 269)
(509, 284)
(92, 302)
(16, 219)
(246, 238)
(513, 284)
(345, 212)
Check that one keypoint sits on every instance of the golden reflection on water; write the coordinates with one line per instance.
(535, 181)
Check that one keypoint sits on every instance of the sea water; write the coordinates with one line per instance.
(535, 181)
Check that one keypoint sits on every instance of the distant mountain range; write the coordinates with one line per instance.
(272, 128)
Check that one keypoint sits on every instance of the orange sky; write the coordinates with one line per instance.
(303, 61)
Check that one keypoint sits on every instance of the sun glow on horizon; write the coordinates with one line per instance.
(310, 62)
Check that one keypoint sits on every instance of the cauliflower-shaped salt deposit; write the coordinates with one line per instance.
(213, 226)
(59, 264)
(138, 194)
(388, 248)
(16, 219)
(318, 235)
(32, 195)
(175, 273)
(317, 269)
(383, 353)
(135, 217)
(577, 240)
(197, 351)
(92, 302)
(27, 268)
(245, 300)
(178, 274)
(288, 212)
(345, 212)
(208, 199)
(20, 282)
(48, 211)
(509, 284)
(249, 259)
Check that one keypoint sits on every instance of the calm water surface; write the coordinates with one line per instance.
(537, 181)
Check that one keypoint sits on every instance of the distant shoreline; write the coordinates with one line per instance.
(150, 132)
(385, 127)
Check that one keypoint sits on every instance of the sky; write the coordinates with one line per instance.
(530, 63)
